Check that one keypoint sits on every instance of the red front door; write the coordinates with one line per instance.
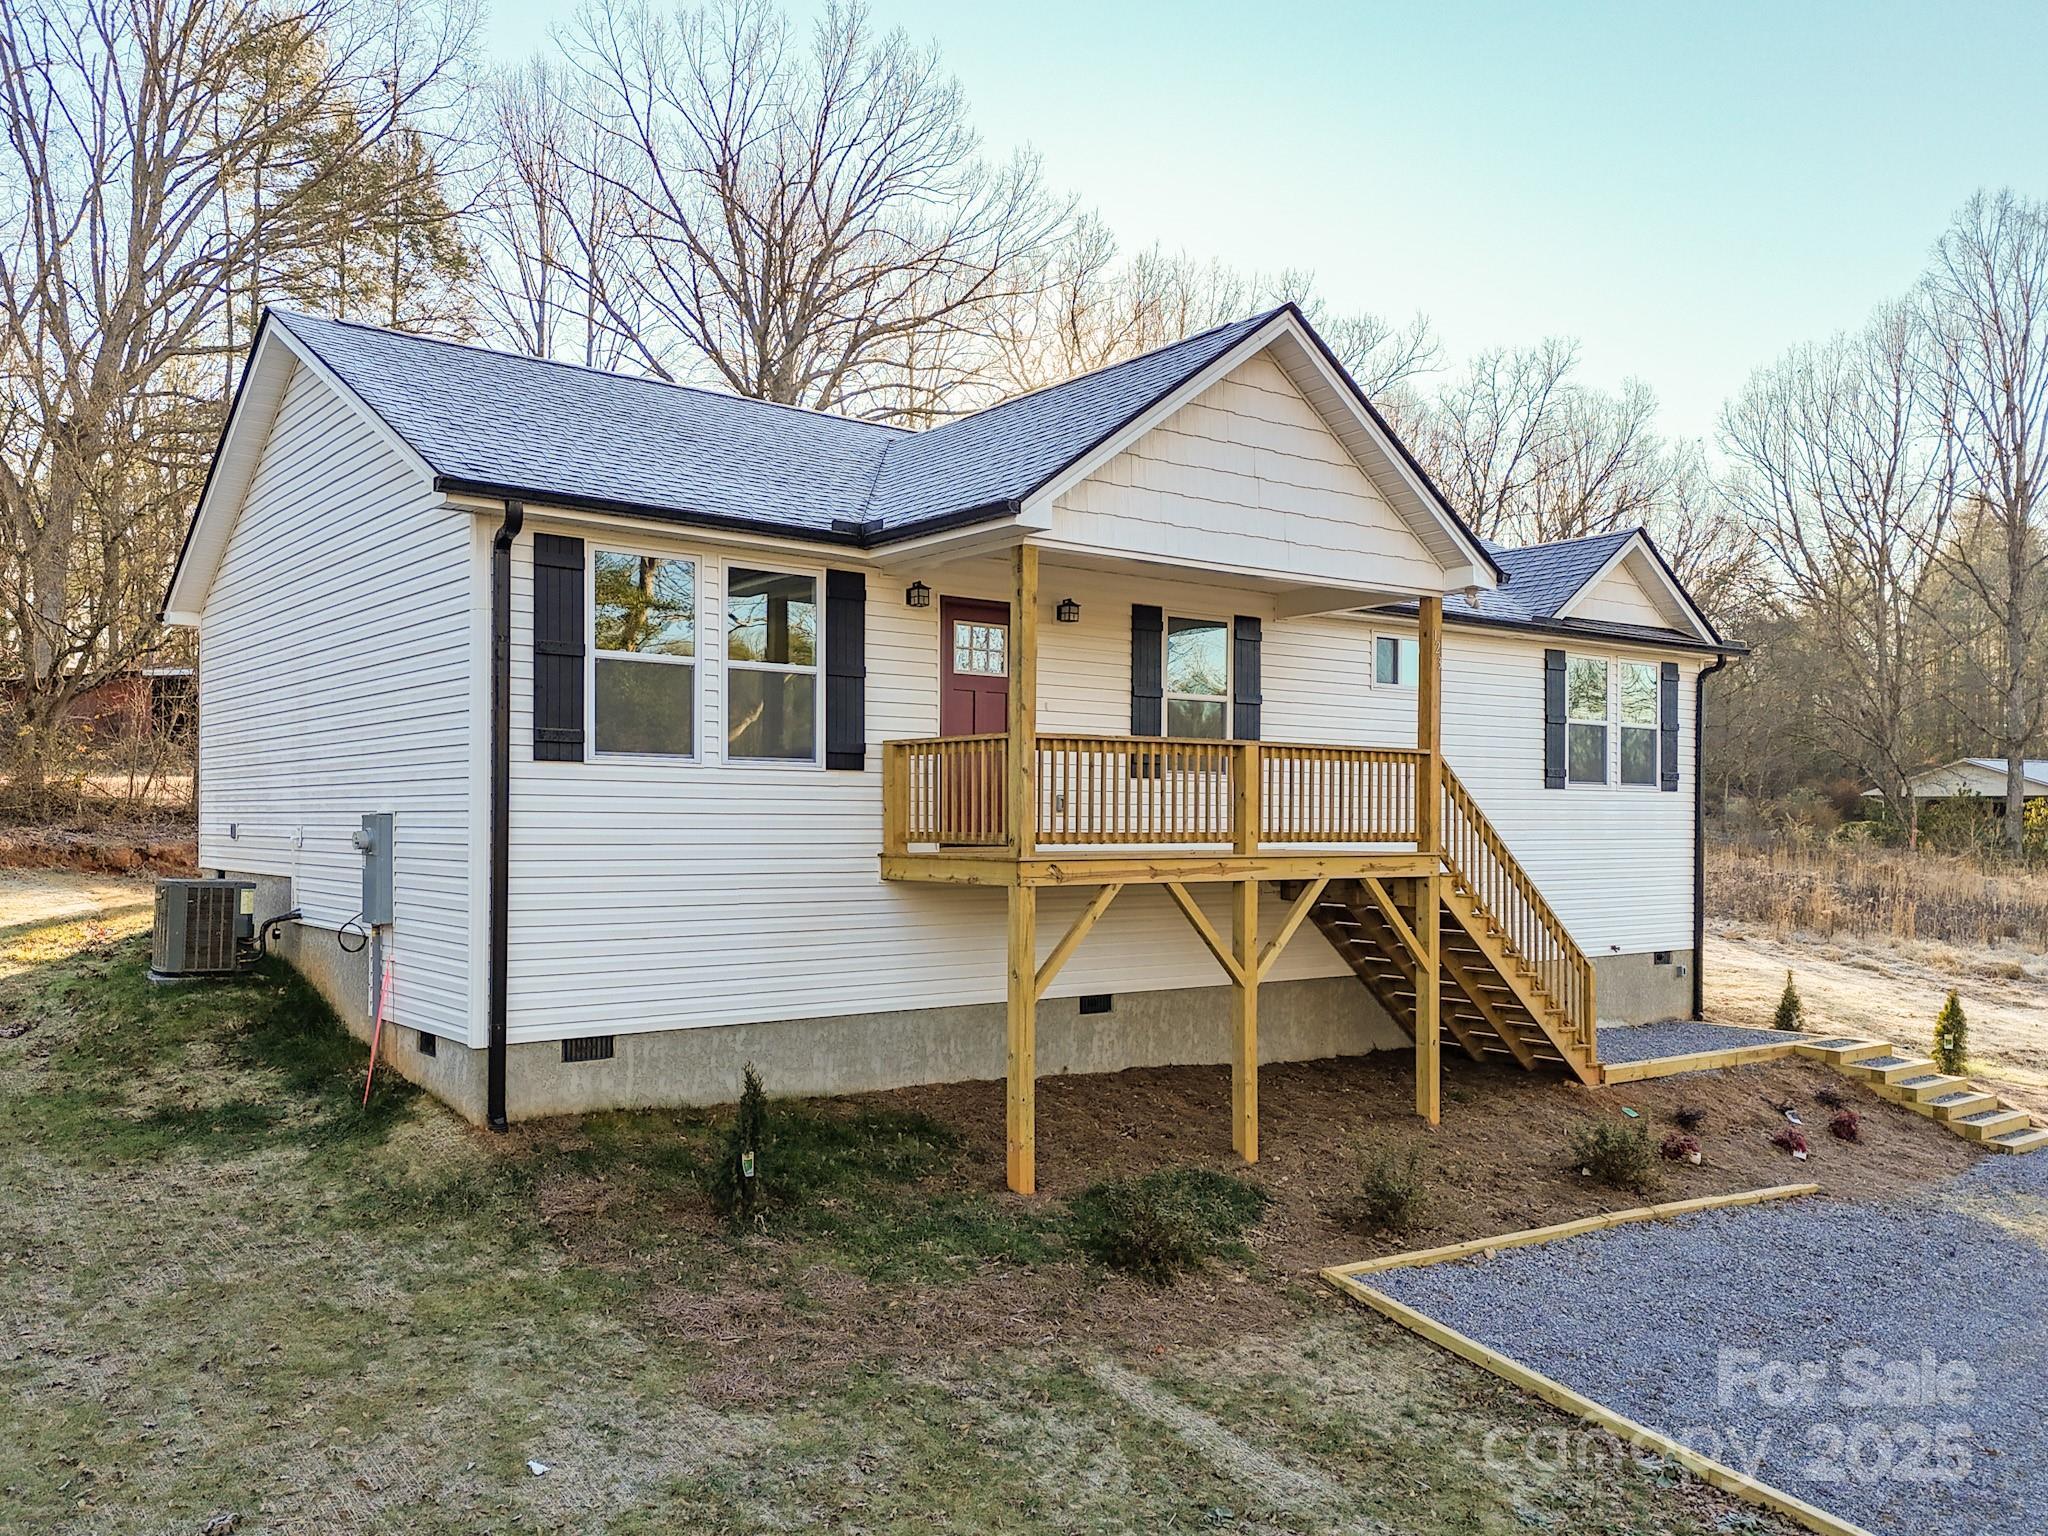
(974, 667)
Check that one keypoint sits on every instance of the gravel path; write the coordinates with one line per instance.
(1678, 1037)
(1640, 1318)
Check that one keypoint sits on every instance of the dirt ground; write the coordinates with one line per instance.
(1892, 989)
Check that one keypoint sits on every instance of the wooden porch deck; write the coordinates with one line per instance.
(1381, 846)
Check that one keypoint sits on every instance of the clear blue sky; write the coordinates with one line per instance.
(1688, 190)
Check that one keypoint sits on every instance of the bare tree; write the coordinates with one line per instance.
(795, 215)
(129, 126)
(1984, 319)
(1839, 473)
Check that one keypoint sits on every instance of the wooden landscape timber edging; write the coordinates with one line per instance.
(1344, 1278)
(1694, 1061)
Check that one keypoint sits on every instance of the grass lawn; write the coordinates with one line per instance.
(229, 1290)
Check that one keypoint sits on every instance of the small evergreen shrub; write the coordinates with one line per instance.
(1616, 1152)
(1389, 1190)
(1165, 1223)
(1846, 1125)
(1791, 1012)
(1690, 1117)
(736, 1175)
(1951, 1037)
(1831, 1097)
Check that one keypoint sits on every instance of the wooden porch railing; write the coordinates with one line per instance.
(1158, 791)
(1479, 859)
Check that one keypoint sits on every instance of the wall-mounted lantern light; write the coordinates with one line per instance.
(918, 595)
(1068, 612)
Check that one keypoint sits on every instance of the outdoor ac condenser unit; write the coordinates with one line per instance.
(201, 927)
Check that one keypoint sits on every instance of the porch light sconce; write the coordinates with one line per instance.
(1068, 612)
(918, 595)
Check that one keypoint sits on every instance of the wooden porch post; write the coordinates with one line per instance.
(1021, 806)
(1428, 839)
(1244, 1050)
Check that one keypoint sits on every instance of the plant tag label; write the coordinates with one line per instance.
(1798, 1155)
(747, 1164)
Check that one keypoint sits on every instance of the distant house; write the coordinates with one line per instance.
(720, 732)
(1979, 776)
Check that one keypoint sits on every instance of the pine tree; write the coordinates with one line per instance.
(1951, 1037)
(736, 1176)
(1791, 1011)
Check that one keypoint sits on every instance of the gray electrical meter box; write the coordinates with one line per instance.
(374, 843)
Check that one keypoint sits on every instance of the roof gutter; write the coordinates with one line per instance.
(501, 810)
(1699, 835)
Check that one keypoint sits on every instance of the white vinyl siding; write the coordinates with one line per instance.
(1246, 476)
(335, 678)
(661, 896)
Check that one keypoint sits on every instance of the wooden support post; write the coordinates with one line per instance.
(895, 797)
(1022, 790)
(1245, 815)
(1429, 723)
(1244, 1052)
(1021, 1100)
(1428, 1003)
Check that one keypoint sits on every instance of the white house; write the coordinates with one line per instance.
(1166, 715)
(1975, 777)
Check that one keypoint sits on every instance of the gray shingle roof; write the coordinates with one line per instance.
(503, 423)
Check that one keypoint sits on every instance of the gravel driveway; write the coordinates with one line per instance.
(1882, 1361)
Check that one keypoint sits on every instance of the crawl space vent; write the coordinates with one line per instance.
(589, 1048)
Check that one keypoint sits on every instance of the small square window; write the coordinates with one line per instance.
(980, 650)
(1397, 661)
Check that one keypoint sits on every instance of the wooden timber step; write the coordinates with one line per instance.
(1491, 1005)
(1955, 1102)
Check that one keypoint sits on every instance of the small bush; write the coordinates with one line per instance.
(1846, 1125)
(1690, 1117)
(1616, 1152)
(1389, 1190)
(1167, 1222)
(1951, 1037)
(1831, 1097)
(1678, 1148)
(1790, 1140)
(736, 1175)
(1791, 1014)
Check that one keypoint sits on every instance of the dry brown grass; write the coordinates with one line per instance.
(1836, 888)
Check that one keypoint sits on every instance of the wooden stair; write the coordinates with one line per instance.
(1957, 1103)
(1513, 986)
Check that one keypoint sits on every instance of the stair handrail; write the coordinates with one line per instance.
(1478, 856)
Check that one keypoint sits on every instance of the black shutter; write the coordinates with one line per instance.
(1148, 671)
(1553, 719)
(557, 649)
(846, 670)
(1667, 724)
(1244, 681)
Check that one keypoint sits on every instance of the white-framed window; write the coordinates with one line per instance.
(1198, 678)
(980, 649)
(1637, 708)
(1586, 711)
(1396, 660)
(643, 654)
(771, 665)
